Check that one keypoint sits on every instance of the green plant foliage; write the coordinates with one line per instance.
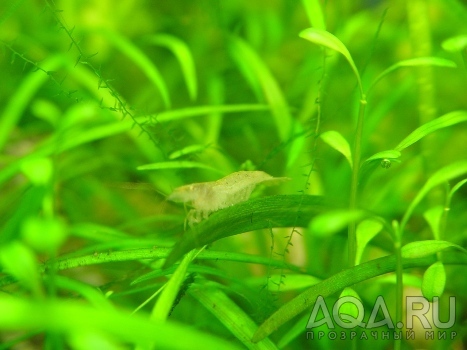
(115, 116)
(339, 143)
(434, 281)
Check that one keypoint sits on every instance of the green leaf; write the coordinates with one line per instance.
(44, 235)
(383, 159)
(38, 170)
(444, 121)
(434, 280)
(84, 339)
(339, 143)
(455, 44)
(456, 187)
(444, 174)
(433, 217)
(297, 144)
(389, 154)
(183, 113)
(258, 73)
(314, 13)
(414, 62)
(141, 60)
(255, 214)
(345, 278)
(229, 314)
(294, 282)
(326, 39)
(187, 150)
(165, 302)
(366, 231)
(178, 164)
(421, 249)
(67, 316)
(20, 100)
(184, 57)
(20, 262)
(334, 221)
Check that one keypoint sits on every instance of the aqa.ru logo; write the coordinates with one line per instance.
(413, 310)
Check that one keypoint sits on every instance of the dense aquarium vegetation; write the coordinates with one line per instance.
(343, 121)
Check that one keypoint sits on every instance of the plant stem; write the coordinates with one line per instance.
(399, 283)
(352, 238)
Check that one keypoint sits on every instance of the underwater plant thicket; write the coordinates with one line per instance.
(107, 107)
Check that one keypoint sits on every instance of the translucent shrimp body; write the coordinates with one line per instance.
(208, 197)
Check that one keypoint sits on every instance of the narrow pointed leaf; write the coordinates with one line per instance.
(415, 62)
(444, 174)
(366, 231)
(259, 75)
(230, 315)
(326, 39)
(339, 143)
(177, 164)
(433, 217)
(142, 61)
(421, 249)
(444, 121)
(184, 58)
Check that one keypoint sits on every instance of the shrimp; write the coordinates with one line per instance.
(208, 197)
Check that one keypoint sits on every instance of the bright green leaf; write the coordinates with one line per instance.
(166, 300)
(314, 13)
(44, 235)
(326, 39)
(141, 60)
(19, 261)
(415, 62)
(420, 249)
(297, 143)
(434, 280)
(84, 339)
(187, 150)
(184, 57)
(67, 316)
(444, 121)
(366, 230)
(294, 282)
(444, 174)
(183, 113)
(456, 187)
(233, 317)
(38, 170)
(433, 217)
(15, 105)
(339, 143)
(334, 221)
(455, 44)
(258, 73)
